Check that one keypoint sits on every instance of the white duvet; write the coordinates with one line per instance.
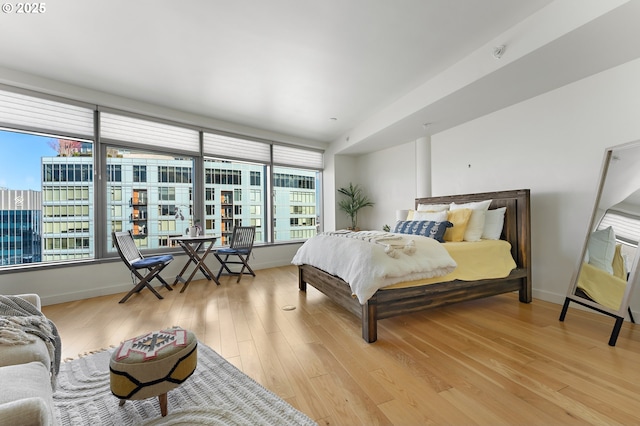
(365, 265)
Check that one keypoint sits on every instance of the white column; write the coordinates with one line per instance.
(423, 166)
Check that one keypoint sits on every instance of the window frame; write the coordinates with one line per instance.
(103, 188)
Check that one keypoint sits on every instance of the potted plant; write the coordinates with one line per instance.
(355, 200)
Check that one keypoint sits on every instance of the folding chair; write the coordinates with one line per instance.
(241, 246)
(134, 260)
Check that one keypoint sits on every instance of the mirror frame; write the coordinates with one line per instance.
(634, 274)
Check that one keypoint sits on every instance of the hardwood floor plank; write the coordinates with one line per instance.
(350, 358)
(492, 361)
(295, 359)
(613, 401)
(475, 409)
(418, 399)
(228, 337)
(274, 377)
(614, 412)
(465, 378)
(345, 400)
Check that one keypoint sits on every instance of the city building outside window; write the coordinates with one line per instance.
(296, 203)
(53, 184)
(46, 190)
(156, 196)
(227, 186)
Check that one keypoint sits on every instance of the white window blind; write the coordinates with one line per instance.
(626, 226)
(128, 129)
(39, 114)
(297, 157)
(241, 149)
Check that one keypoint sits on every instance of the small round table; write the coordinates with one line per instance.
(152, 364)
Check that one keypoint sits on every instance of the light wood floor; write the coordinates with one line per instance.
(492, 361)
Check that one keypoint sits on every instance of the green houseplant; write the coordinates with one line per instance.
(354, 201)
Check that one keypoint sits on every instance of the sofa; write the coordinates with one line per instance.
(26, 393)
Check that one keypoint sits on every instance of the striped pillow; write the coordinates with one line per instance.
(426, 228)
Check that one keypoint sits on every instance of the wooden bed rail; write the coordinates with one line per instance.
(386, 303)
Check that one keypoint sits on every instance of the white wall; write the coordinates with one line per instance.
(81, 281)
(343, 172)
(389, 179)
(552, 144)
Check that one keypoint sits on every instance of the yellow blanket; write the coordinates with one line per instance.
(601, 286)
(476, 260)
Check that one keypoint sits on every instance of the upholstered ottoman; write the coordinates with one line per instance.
(153, 364)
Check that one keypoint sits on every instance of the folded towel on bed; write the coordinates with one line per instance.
(390, 241)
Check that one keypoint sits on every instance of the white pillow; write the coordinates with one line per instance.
(433, 207)
(475, 226)
(432, 216)
(493, 224)
(602, 248)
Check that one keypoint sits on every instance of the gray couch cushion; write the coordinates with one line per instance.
(24, 381)
(25, 412)
(21, 354)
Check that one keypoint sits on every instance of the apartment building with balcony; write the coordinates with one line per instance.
(151, 195)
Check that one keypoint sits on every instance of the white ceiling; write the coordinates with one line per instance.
(288, 66)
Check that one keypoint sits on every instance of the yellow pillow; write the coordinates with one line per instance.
(410, 215)
(618, 263)
(460, 219)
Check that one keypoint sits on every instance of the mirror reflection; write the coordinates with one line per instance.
(611, 250)
(607, 268)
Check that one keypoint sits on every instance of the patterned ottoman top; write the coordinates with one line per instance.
(153, 346)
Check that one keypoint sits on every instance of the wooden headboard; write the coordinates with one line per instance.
(387, 303)
(517, 219)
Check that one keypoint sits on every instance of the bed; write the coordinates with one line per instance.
(387, 303)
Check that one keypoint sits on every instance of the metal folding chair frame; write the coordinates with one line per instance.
(134, 260)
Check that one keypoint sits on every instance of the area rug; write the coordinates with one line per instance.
(216, 394)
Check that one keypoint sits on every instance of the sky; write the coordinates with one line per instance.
(20, 154)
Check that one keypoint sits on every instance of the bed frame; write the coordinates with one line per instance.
(393, 302)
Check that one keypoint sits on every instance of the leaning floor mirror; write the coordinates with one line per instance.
(607, 269)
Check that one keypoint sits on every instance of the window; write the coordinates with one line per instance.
(255, 178)
(46, 208)
(167, 193)
(116, 211)
(230, 180)
(139, 173)
(223, 176)
(155, 200)
(296, 203)
(174, 174)
(167, 209)
(115, 193)
(53, 185)
(114, 172)
(627, 229)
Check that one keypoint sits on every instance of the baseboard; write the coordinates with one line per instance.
(548, 296)
(125, 287)
(85, 294)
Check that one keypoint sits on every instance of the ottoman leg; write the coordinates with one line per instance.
(122, 401)
(163, 404)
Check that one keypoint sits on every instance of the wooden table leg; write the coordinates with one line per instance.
(163, 404)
